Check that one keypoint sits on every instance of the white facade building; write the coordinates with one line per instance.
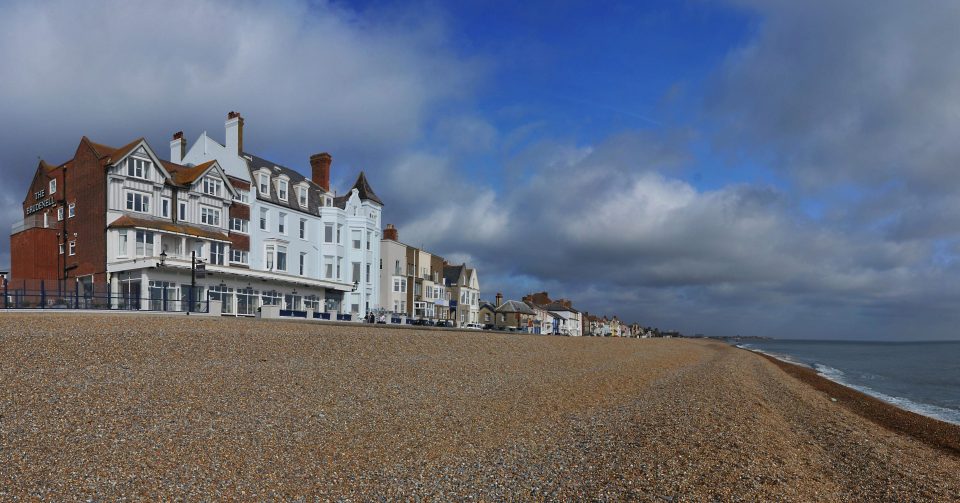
(323, 247)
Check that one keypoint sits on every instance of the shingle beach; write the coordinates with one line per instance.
(129, 407)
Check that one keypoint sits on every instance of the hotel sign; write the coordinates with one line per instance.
(46, 203)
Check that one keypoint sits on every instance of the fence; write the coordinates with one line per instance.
(72, 294)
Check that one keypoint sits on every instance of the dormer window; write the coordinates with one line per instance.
(138, 168)
(282, 190)
(212, 186)
(302, 196)
(264, 184)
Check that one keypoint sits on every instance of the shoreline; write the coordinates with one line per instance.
(931, 431)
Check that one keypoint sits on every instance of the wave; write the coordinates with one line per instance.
(836, 375)
(924, 409)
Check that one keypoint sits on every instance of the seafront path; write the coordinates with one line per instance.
(160, 407)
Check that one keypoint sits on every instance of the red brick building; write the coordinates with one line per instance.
(62, 235)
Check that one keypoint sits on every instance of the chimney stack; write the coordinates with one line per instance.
(499, 299)
(178, 148)
(391, 233)
(234, 127)
(320, 168)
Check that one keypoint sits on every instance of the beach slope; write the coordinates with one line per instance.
(151, 407)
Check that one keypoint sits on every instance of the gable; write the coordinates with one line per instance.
(139, 148)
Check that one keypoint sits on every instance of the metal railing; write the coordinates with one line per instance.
(44, 294)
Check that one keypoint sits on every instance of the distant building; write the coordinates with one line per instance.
(420, 284)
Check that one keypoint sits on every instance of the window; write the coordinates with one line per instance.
(328, 267)
(303, 264)
(217, 251)
(281, 258)
(53, 186)
(240, 225)
(264, 218)
(165, 207)
(138, 201)
(138, 168)
(282, 223)
(368, 273)
(282, 190)
(183, 211)
(339, 240)
(210, 216)
(72, 210)
(355, 237)
(212, 186)
(302, 196)
(264, 184)
(328, 233)
(144, 244)
(303, 228)
(73, 248)
(268, 257)
(368, 240)
(239, 257)
(61, 248)
(59, 213)
(356, 272)
(339, 263)
(396, 268)
(122, 244)
(243, 196)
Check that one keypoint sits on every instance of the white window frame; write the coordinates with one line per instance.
(148, 239)
(53, 186)
(242, 197)
(208, 213)
(165, 204)
(71, 210)
(217, 253)
(282, 223)
(303, 196)
(130, 198)
(212, 186)
(122, 243)
(60, 214)
(138, 168)
(303, 228)
(264, 219)
(182, 211)
(264, 184)
(240, 225)
(73, 247)
(328, 233)
(283, 189)
(239, 257)
(303, 263)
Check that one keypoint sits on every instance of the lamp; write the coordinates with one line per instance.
(163, 259)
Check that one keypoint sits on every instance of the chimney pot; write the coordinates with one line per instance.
(320, 169)
(391, 233)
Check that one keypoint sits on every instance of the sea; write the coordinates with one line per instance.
(922, 377)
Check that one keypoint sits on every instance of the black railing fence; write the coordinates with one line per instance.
(53, 294)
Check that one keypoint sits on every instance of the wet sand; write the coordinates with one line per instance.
(151, 407)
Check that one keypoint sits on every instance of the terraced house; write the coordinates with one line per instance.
(321, 250)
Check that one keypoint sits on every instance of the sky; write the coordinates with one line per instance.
(743, 167)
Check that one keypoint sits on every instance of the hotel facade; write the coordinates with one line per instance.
(124, 221)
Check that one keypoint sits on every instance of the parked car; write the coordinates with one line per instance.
(444, 323)
(473, 326)
(489, 326)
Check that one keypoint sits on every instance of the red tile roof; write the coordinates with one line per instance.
(164, 225)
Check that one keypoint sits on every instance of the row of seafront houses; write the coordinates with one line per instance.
(131, 229)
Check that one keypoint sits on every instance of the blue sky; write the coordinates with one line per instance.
(729, 167)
